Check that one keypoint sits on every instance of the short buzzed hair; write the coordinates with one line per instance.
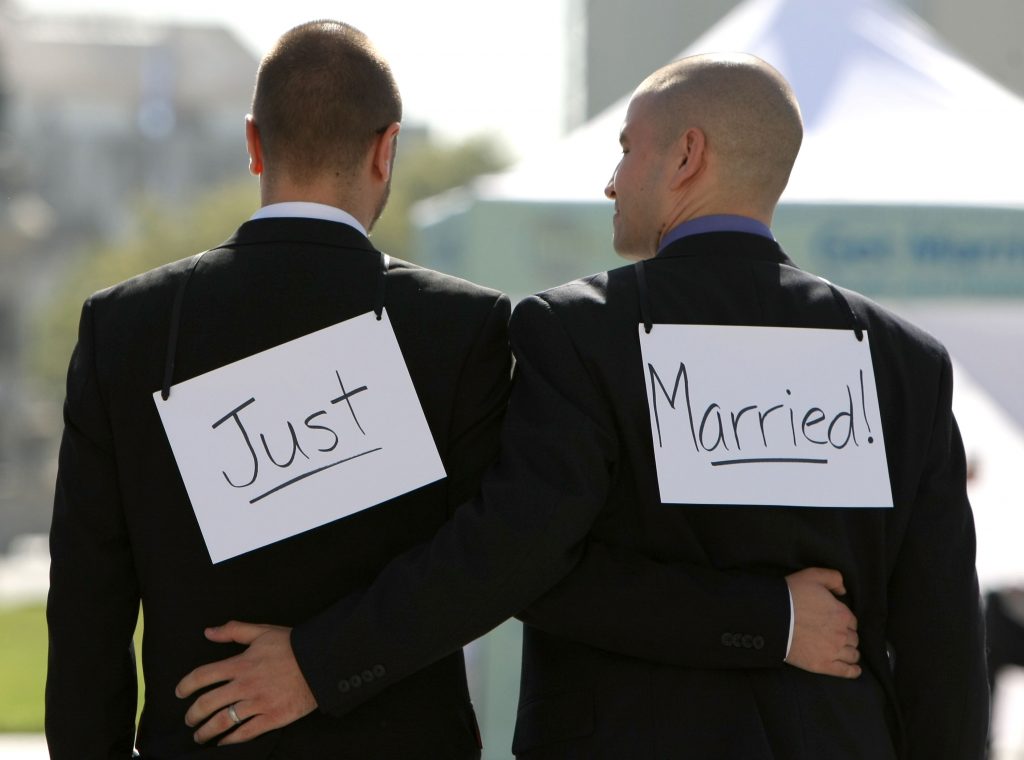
(746, 109)
(322, 95)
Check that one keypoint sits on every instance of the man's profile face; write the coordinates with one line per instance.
(636, 185)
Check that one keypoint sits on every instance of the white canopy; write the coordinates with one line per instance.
(891, 115)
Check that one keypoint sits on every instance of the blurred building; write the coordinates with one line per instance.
(102, 109)
(613, 45)
(96, 114)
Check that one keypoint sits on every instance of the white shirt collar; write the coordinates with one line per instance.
(309, 210)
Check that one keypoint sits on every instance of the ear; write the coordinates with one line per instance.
(254, 146)
(688, 152)
(384, 148)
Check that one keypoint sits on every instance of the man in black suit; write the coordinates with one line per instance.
(322, 137)
(708, 144)
(610, 668)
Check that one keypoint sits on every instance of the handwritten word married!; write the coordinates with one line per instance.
(719, 427)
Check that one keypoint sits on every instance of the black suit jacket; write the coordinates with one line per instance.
(123, 529)
(909, 571)
(642, 650)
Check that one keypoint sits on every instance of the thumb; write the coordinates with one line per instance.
(233, 631)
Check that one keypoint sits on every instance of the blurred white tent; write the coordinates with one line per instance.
(909, 181)
(891, 116)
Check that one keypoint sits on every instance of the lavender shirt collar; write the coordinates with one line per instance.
(715, 223)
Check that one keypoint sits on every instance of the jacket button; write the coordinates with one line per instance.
(355, 681)
(367, 676)
(748, 641)
(759, 642)
(379, 671)
(726, 639)
(343, 687)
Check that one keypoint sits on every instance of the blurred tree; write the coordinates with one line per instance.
(425, 167)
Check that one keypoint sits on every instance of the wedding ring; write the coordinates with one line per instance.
(233, 715)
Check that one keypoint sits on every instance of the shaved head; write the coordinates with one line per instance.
(744, 107)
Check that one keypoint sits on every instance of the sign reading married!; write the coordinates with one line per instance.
(299, 435)
(770, 416)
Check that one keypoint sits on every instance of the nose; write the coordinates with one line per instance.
(609, 189)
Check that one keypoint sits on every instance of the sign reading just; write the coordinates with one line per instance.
(769, 416)
(299, 435)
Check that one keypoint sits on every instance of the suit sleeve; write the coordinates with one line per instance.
(93, 601)
(621, 601)
(936, 628)
(500, 550)
(481, 400)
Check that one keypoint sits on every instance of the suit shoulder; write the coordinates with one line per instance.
(432, 283)
(143, 286)
(422, 300)
(599, 296)
(884, 323)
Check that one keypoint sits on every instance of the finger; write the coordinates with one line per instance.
(250, 729)
(850, 619)
(852, 639)
(832, 580)
(849, 655)
(211, 702)
(841, 669)
(234, 631)
(203, 676)
(847, 670)
(221, 722)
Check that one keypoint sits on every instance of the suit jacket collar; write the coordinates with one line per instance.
(734, 245)
(299, 230)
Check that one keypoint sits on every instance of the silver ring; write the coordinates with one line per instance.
(233, 715)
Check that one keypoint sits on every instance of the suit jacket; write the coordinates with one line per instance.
(909, 571)
(123, 529)
(645, 649)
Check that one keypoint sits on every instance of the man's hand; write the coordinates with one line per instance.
(825, 631)
(264, 685)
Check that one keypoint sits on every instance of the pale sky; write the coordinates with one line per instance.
(463, 66)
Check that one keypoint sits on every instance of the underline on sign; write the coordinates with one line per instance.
(312, 472)
(783, 460)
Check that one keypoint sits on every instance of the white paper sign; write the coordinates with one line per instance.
(299, 435)
(764, 416)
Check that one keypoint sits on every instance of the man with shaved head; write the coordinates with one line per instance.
(640, 651)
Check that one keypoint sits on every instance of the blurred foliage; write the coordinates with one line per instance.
(22, 668)
(23, 645)
(424, 167)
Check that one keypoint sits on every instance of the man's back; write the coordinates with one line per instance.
(122, 511)
(580, 698)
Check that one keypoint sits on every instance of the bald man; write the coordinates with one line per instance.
(650, 661)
